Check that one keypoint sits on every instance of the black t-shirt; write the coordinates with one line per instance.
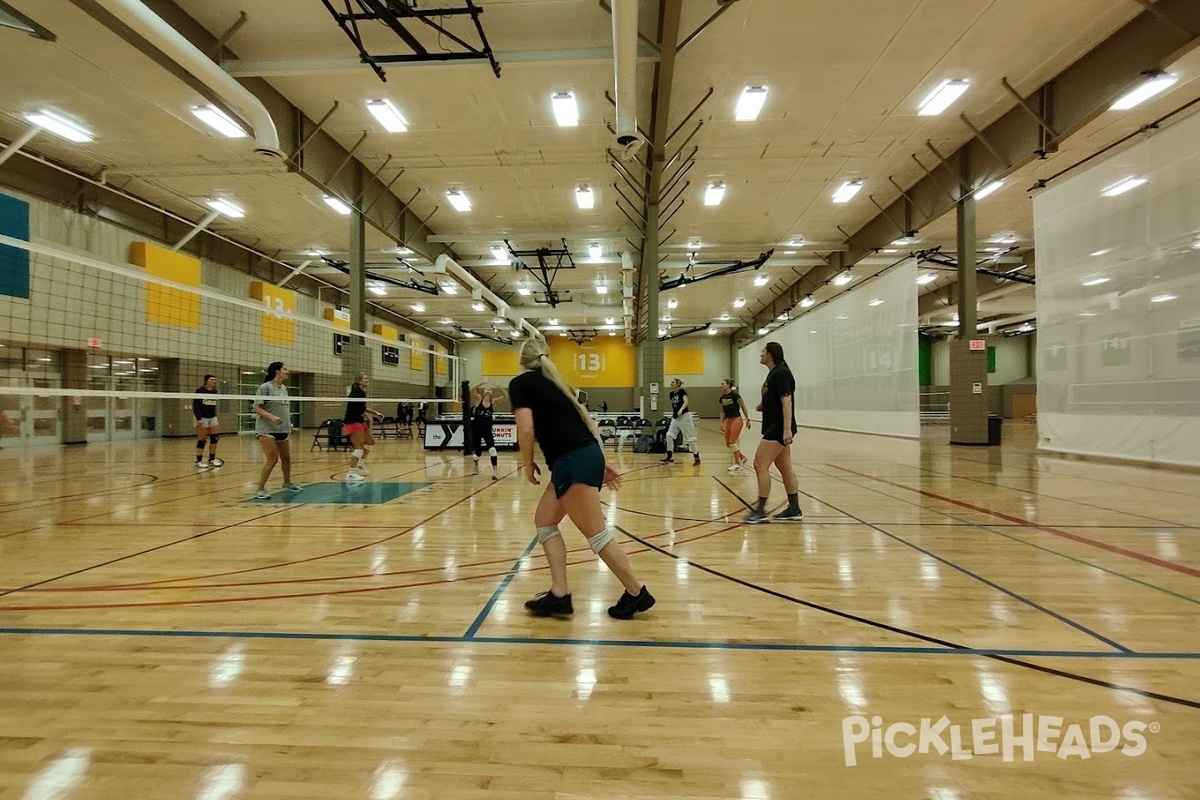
(204, 407)
(356, 411)
(557, 426)
(779, 384)
(729, 405)
(483, 415)
(677, 397)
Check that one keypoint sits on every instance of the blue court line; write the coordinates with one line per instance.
(667, 645)
(487, 609)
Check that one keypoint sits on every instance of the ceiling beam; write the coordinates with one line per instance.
(275, 68)
(1069, 101)
(496, 238)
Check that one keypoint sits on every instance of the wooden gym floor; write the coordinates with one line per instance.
(163, 636)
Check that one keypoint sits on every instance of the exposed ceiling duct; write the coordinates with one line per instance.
(155, 31)
(625, 55)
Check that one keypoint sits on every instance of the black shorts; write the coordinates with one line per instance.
(775, 434)
(279, 437)
(585, 465)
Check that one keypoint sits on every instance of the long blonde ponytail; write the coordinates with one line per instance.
(535, 354)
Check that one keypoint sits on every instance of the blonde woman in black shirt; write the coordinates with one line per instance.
(547, 412)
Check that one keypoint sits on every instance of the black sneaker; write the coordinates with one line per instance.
(757, 516)
(667, 460)
(789, 515)
(548, 604)
(696, 463)
(630, 604)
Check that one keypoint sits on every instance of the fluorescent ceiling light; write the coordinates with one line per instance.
(338, 205)
(807, 302)
(1153, 85)
(499, 253)
(928, 277)
(1095, 281)
(227, 208)
(990, 189)
(1196, 242)
(845, 193)
(761, 280)
(725, 317)
(1162, 298)
(566, 110)
(942, 97)
(514, 333)
(1103, 252)
(601, 290)
(876, 302)
(762, 331)
(585, 198)
(594, 250)
(219, 121)
(479, 306)
(714, 194)
(553, 320)
(446, 321)
(784, 316)
(469, 335)
(402, 251)
(905, 241)
(662, 331)
(1123, 186)
(608, 321)
(739, 302)
(843, 278)
(459, 200)
(750, 103)
(388, 115)
(524, 291)
(797, 242)
(377, 290)
(695, 244)
(449, 288)
(713, 331)
(60, 126)
(672, 303)
(417, 307)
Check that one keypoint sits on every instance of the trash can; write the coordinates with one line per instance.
(994, 423)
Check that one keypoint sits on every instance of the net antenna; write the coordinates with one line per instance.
(723, 268)
(402, 17)
(544, 273)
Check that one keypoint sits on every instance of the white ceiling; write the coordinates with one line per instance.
(845, 77)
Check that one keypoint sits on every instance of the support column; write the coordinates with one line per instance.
(74, 376)
(356, 355)
(968, 368)
(650, 351)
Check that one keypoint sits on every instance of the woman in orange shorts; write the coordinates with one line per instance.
(733, 408)
(357, 425)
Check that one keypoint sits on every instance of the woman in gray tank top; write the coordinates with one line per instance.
(272, 427)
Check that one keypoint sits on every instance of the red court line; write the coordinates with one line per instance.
(298, 595)
(325, 578)
(1158, 562)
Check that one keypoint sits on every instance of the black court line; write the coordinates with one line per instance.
(119, 559)
(1166, 698)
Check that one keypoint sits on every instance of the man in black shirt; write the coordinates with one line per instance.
(778, 429)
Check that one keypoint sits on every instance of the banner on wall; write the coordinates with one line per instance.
(441, 364)
(608, 362)
(165, 305)
(14, 263)
(277, 325)
(416, 358)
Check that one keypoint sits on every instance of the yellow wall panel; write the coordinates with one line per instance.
(682, 362)
(277, 325)
(501, 363)
(608, 362)
(164, 305)
(441, 364)
(338, 317)
(416, 359)
(386, 332)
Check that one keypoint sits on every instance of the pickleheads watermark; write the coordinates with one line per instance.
(1008, 736)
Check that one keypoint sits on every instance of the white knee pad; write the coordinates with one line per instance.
(600, 540)
(492, 452)
(358, 454)
(733, 448)
(548, 532)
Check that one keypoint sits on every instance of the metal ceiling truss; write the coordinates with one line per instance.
(687, 332)
(935, 256)
(396, 15)
(581, 335)
(428, 287)
(544, 273)
(489, 336)
(726, 268)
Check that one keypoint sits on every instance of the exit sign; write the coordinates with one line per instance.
(94, 341)
(978, 344)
